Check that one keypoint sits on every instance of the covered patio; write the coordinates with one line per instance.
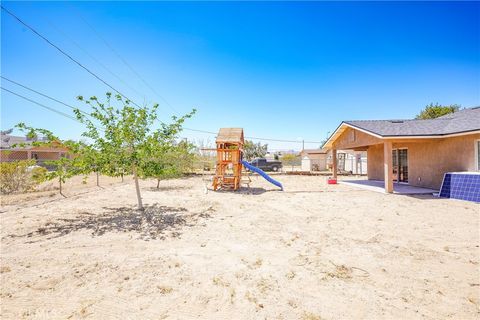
(379, 186)
(412, 155)
(380, 170)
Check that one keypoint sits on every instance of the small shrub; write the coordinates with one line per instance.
(17, 176)
(39, 174)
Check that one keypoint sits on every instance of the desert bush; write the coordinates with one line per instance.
(17, 176)
(39, 174)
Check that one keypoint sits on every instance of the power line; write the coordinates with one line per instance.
(67, 55)
(201, 131)
(75, 119)
(255, 138)
(41, 105)
(159, 95)
(107, 84)
(280, 140)
(61, 102)
(48, 97)
(72, 107)
(124, 61)
(44, 95)
(93, 58)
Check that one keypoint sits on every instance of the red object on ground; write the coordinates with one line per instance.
(332, 181)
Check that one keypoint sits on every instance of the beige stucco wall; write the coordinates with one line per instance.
(354, 139)
(375, 162)
(428, 159)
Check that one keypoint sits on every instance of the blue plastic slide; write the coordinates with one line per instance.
(262, 173)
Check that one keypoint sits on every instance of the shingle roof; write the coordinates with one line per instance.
(7, 141)
(230, 135)
(314, 151)
(461, 121)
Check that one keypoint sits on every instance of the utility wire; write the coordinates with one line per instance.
(66, 54)
(48, 97)
(110, 86)
(280, 140)
(44, 95)
(65, 35)
(124, 61)
(254, 138)
(73, 108)
(41, 105)
(159, 95)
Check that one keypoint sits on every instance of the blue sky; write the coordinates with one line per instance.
(280, 70)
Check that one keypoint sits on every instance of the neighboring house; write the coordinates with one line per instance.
(349, 161)
(314, 159)
(15, 148)
(417, 152)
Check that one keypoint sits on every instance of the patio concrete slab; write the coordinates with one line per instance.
(379, 186)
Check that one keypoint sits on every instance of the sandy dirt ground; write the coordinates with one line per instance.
(313, 251)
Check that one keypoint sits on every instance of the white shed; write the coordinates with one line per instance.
(306, 164)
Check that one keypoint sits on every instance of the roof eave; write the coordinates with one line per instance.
(340, 129)
(343, 125)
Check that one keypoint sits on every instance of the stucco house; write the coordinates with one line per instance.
(15, 148)
(416, 152)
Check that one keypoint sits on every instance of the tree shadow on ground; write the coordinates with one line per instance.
(155, 222)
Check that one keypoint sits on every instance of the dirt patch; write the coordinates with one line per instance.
(315, 251)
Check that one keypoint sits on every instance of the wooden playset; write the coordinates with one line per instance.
(228, 169)
(228, 173)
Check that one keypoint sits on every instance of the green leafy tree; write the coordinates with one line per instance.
(253, 150)
(168, 159)
(65, 167)
(128, 137)
(89, 159)
(290, 159)
(166, 165)
(121, 140)
(185, 156)
(436, 110)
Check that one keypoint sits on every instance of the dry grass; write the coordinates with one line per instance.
(165, 289)
(340, 272)
(310, 316)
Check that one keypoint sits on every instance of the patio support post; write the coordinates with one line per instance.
(388, 166)
(334, 163)
(29, 155)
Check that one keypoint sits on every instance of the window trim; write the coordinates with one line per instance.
(408, 164)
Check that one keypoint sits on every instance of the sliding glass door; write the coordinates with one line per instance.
(400, 165)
